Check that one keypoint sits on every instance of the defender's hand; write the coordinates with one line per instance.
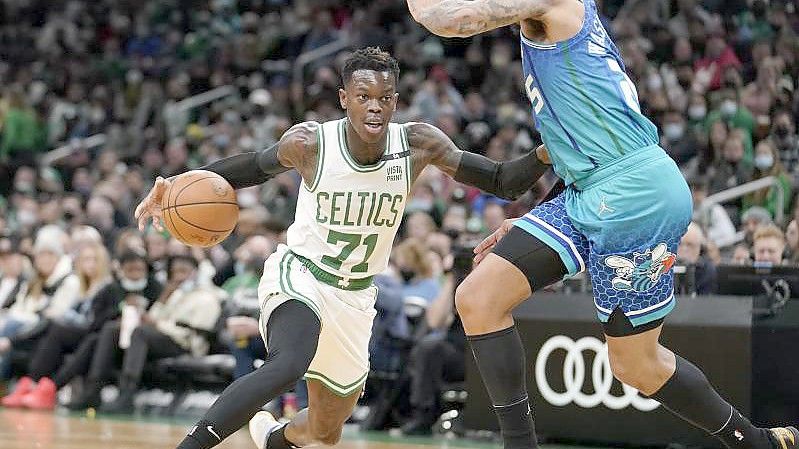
(151, 205)
(488, 244)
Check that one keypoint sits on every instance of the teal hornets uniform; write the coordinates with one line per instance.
(626, 204)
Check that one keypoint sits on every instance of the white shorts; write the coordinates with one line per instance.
(341, 362)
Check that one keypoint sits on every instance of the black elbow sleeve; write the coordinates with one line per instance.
(248, 169)
(508, 180)
(240, 170)
(517, 176)
(478, 171)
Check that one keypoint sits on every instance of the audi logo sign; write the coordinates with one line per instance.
(574, 377)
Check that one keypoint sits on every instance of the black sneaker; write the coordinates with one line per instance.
(784, 437)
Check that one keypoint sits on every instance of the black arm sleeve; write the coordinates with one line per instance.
(248, 169)
(507, 180)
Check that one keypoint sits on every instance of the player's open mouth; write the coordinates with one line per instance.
(374, 127)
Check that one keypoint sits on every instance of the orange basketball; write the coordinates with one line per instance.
(200, 208)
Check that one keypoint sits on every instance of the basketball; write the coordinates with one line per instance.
(200, 208)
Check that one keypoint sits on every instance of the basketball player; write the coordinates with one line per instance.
(621, 216)
(316, 294)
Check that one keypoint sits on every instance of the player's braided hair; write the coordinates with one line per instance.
(370, 58)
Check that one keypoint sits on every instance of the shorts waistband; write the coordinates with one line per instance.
(333, 280)
(619, 166)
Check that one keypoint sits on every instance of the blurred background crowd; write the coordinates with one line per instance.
(98, 98)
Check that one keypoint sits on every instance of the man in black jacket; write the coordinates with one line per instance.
(132, 284)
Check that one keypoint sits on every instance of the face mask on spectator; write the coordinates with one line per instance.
(130, 285)
(674, 131)
(764, 161)
(728, 108)
(697, 112)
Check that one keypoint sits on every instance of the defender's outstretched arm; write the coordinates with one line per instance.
(509, 179)
(464, 18)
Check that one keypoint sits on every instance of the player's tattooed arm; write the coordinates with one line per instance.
(296, 149)
(299, 149)
(464, 18)
(509, 179)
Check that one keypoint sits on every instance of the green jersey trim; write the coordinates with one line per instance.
(345, 151)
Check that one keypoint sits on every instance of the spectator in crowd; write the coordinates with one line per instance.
(751, 220)
(177, 323)
(769, 245)
(255, 248)
(741, 255)
(719, 56)
(49, 295)
(493, 216)
(732, 170)
(767, 163)
(700, 272)
(12, 273)
(156, 244)
(419, 225)
(416, 271)
(792, 242)
(23, 134)
(783, 135)
(678, 140)
(134, 286)
(37, 390)
(242, 309)
(736, 116)
(436, 359)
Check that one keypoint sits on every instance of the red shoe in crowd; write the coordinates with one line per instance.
(43, 397)
(24, 386)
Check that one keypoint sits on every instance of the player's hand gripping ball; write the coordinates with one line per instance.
(198, 208)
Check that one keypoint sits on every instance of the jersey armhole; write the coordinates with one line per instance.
(406, 147)
(320, 159)
(589, 16)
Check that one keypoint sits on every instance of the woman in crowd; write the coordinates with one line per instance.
(65, 333)
(767, 163)
(49, 295)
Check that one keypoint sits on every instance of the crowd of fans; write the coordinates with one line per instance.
(88, 296)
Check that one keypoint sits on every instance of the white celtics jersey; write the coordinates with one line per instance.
(346, 219)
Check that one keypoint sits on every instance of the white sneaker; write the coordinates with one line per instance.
(261, 426)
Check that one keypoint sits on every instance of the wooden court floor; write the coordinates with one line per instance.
(20, 429)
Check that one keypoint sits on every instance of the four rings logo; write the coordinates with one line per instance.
(574, 373)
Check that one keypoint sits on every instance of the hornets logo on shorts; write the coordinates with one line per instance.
(643, 271)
